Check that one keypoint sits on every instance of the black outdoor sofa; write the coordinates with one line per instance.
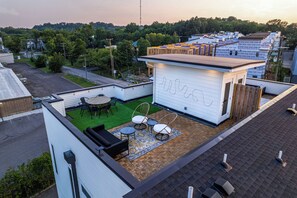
(112, 145)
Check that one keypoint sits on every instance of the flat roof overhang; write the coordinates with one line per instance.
(220, 64)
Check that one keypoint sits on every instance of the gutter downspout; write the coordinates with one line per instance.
(70, 159)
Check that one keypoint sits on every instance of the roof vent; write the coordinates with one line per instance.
(293, 109)
(224, 186)
(280, 160)
(211, 193)
(190, 192)
(224, 163)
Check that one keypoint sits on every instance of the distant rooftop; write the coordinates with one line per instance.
(211, 62)
(255, 36)
(11, 86)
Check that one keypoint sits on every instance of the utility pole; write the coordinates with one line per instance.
(111, 58)
(86, 68)
(63, 44)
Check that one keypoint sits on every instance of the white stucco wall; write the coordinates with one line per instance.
(96, 177)
(72, 99)
(6, 58)
(272, 87)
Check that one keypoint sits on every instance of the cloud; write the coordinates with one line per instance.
(7, 11)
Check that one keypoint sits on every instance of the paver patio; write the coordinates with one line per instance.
(193, 134)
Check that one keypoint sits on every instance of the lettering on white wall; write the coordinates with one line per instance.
(176, 87)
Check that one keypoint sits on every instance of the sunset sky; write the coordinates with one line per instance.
(27, 13)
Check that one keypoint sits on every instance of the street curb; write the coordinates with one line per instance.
(39, 193)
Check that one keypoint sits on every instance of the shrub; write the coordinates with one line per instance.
(41, 61)
(28, 179)
(56, 62)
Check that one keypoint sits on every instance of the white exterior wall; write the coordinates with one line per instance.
(6, 58)
(272, 87)
(73, 99)
(96, 178)
(249, 44)
(248, 53)
(197, 90)
(200, 91)
(60, 107)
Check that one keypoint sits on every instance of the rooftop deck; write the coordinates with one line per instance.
(193, 134)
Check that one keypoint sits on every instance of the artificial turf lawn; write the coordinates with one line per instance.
(122, 116)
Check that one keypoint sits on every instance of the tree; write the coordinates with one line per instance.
(276, 25)
(56, 62)
(131, 27)
(125, 53)
(40, 61)
(142, 45)
(78, 49)
(13, 43)
(291, 33)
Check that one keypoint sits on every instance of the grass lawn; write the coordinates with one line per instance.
(25, 60)
(78, 80)
(122, 116)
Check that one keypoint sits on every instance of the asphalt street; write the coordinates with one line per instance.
(97, 79)
(42, 84)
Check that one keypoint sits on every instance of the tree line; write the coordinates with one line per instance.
(75, 40)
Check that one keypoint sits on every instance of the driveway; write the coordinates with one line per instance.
(42, 84)
(95, 78)
(21, 139)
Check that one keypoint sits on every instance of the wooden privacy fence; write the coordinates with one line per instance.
(246, 100)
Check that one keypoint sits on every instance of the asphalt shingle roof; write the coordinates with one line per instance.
(251, 152)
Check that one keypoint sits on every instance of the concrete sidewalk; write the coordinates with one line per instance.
(95, 78)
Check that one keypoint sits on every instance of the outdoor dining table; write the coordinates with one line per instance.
(98, 100)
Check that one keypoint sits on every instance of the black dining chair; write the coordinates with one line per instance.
(94, 110)
(113, 103)
(83, 106)
(105, 108)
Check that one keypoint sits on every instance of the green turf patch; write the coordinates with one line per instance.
(122, 116)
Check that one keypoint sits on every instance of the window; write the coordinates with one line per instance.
(240, 81)
(230, 53)
(254, 76)
(236, 53)
(85, 192)
(54, 158)
(71, 181)
(257, 54)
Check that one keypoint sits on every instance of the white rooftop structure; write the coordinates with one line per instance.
(214, 38)
(10, 86)
(200, 86)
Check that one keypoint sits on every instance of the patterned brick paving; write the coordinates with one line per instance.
(193, 135)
